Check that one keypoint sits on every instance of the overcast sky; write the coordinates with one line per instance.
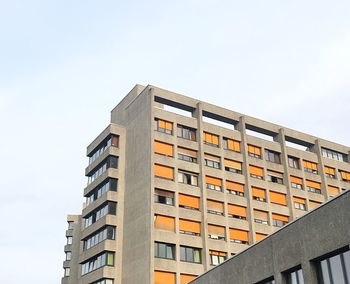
(65, 64)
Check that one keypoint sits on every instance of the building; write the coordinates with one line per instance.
(312, 249)
(177, 186)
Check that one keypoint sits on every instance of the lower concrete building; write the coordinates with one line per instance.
(312, 249)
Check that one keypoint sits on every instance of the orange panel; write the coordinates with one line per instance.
(230, 185)
(163, 171)
(280, 217)
(333, 190)
(233, 164)
(259, 192)
(237, 234)
(216, 230)
(162, 277)
(296, 180)
(233, 145)
(237, 210)
(163, 148)
(190, 226)
(259, 236)
(314, 204)
(313, 184)
(188, 200)
(188, 152)
(256, 170)
(214, 181)
(218, 253)
(345, 175)
(186, 278)
(278, 198)
(329, 170)
(216, 205)
(164, 223)
(299, 200)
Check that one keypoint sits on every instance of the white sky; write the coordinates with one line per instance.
(65, 64)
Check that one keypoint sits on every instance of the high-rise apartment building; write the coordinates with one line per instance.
(177, 186)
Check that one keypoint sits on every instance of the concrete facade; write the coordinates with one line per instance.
(133, 248)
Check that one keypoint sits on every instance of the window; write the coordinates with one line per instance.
(164, 250)
(335, 269)
(164, 223)
(278, 198)
(254, 151)
(188, 155)
(259, 194)
(256, 172)
(190, 254)
(211, 139)
(274, 177)
(110, 162)
(330, 172)
(112, 140)
(333, 190)
(237, 211)
(261, 217)
(189, 227)
(235, 188)
(187, 178)
(345, 176)
(103, 281)
(314, 204)
(213, 183)
(110, 185)
(106, 208)
(216, 232)
(212, 161)
(295, 277)
(313, 186)
(279, 220)
(163, 148)
(104, 259)
(162, 277)
(232, 145)
(163, 126)
(293, 162)
(164, 172)
(69, 240)
(104, 234)
(239, 236)
(215, 207)
(260, 236)
(332, 155)
(188, 201)
(66, 271)
(70, 225)
(186, 278)
(186, 132)
(270, 280)
(310, 167)
(299, 203)
(296, 182)
(272, 156)
(233, 166)
(68, 255)
(164, 197)
(217, 257)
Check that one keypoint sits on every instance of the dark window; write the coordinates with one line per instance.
(110, 185)
(189, 254)
(112, 140)
(104, 234)
(272, 156)
(164, 250)
(186, 132)
(293, 162)
(295, 277)
(188, 178)
(164, 197)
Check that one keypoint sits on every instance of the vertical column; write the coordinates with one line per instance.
(317, 149)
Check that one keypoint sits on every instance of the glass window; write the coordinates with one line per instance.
(272, 156)
(164, 250)
(163, 126)
(335, 269)
(293, 162)
(217, 257)
(68, 255)
(164, 197)
(186, 132)
(232, 145)
(66, 271)
(333, 155)
(188, 178)
(189, 254)
(295, 277)
(70, 225)
(69, 240)
(112, 140)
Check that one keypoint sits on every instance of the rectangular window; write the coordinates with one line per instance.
(295, 277)
(217, 257)
(98, 237)
(279, 220)
(161, 277)
(211, 139)
(215, 207)
(164, 172)
(259, 194)
(66, 271)
(164, 197)
(104, 259)
(188, 201)
(187, 178)
(187, 155)
(189, 227)
(104, 281)
(212, 161)
(69, 240)
(261, 217)
(256, 172)
(109, 162)
(299, 203)
(310, 167)
(293, 162)
(164, 250)
(275, 177)
(186, 132)
(186, 278)
(237, 211)
(238, 236)
(213, 183)
(335, 269)
(235, 188)
(216, 232)
(190, 254)
(260, 236)
(272, 156)
(330, 172)
(232, 145)
(107, 208)
(110, 185)
(332, 155)
(70, 225)
(278, 198)
(68, 255)
(163, 126)
(296, 182)
(313, 186)
(314, 204)
(164, 223)
(233, 166)
(345, 176)
(112, 140)
(163, 148)
(333, 190)
(254, 151)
